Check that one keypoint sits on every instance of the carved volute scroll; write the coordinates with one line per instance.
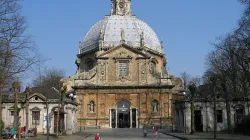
(143, 71)
(103, 71)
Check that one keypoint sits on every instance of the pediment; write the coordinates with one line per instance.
(37, 97)
(123, 51)
(35, 109)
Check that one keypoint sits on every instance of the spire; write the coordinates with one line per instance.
(121, 7)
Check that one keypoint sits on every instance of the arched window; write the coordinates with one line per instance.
(155, 106)
(89, 64)
(152, 67)
(91, 106)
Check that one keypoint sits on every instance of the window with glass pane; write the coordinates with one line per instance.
(35, 117)
(89, 65)
(123, 67)
(11, 117)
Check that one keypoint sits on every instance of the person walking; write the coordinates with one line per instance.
(145, 132)
(97, 136)
(156, 130)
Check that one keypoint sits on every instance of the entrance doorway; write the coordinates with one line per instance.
(60, 123)
(198, 124)
(56, 122)
(123, 114)
(239, 119)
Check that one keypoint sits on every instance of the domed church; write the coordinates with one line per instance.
(121, 79)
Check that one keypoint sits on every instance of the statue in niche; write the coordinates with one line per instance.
(155, 106)
(91, 107)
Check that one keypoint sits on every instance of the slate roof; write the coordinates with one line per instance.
(51, 93)
(205, 93)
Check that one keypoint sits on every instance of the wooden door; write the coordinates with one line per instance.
(55, 121)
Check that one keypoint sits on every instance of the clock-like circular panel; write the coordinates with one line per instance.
(121, 4)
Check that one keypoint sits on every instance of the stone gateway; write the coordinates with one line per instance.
(121, 79)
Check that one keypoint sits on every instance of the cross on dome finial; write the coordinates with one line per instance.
(121, 7)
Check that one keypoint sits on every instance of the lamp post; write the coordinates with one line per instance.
(72, 96)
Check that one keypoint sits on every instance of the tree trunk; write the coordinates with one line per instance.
(248, 106)
(215, 115)
(228, 108)
(62, 108)
(27, 111)
(47, 110)
(58, 115)
(229, 122)
(15, 110)
(245, 120)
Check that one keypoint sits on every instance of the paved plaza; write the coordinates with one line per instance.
(209, 136)
(125, 134)
(111, 134)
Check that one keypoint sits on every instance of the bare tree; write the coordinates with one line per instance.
(17, 51)
(49, 78)
(186, 79)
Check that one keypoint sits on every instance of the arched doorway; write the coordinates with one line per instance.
(123, 114)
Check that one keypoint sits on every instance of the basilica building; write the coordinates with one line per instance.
(121, 79)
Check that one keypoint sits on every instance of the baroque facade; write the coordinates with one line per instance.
(121, 80)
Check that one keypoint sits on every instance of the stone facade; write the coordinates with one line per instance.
(146, 82)
(204, 112)
(37, 103)
(121, 78)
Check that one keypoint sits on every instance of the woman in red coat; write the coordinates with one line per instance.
(156, 130)
(97, 136)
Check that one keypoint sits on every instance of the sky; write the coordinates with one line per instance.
(186, 27)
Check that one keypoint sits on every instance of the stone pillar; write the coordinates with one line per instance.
(130, 118)
(69, 118)
(188, 118)
(177, 119)
(137, 121)
(180, 120)
(110, 118)
(116, 118)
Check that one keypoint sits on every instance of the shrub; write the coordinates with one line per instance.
(1, 125)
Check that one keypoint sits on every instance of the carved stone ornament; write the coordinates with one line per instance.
(124, 78)
(103, 72)
(122, 55)
(143, 71)
(88, 75)
(122, 96)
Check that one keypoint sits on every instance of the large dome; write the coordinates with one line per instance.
(109, 32)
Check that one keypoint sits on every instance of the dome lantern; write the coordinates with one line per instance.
(121, 7)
